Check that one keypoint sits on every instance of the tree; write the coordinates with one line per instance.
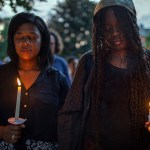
(3, 38)
(73, 20)
(26, 4)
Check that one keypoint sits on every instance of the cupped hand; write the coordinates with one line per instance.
(12, 133)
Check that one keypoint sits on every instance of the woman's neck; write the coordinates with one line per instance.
(28, 65)
(118, 58)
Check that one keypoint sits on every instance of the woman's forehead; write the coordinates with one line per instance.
(28, 28)
(110, 16)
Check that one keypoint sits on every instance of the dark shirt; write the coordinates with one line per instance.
(39, 104)
(113, 112)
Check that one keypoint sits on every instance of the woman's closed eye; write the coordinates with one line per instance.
(107, 28)
(19, 38)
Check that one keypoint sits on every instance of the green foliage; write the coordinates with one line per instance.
(26, 4)
(3, 39)
(73, 20)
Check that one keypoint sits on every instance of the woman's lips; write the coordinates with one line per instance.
(25, 50)
(117, 42)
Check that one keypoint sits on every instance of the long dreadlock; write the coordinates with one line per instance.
(139, 85)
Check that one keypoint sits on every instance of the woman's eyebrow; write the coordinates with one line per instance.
(26, 33)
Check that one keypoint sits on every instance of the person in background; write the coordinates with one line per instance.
(43, 89)
(107, 105)
(6, 59)
(1, 62)
(72, 64)
(56, 46)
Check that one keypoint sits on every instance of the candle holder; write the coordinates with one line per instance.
(17, 121)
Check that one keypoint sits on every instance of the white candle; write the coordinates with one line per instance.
(17, 111)
(149, 113)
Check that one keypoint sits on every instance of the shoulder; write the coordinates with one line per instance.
(52, 72)
(86, 60)
(56, 74)
(88, 57)
(59, 61)
(58, 58)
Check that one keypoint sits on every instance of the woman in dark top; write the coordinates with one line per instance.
(107, 105)
(43, 89)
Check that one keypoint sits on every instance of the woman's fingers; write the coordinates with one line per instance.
(147, 126)
(22, 125)
(12, 133)
(13, 139)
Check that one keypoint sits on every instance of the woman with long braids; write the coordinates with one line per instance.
(107, 106)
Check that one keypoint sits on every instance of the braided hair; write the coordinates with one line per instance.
(138, 78)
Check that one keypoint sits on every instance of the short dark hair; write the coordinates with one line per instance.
(15, 23)
(71, 58)
(58, 41)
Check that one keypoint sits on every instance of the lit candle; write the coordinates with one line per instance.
(18, 100)
(149, 113)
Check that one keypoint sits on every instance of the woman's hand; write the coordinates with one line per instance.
(12, 133)
(147, 126)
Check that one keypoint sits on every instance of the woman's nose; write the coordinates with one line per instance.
(116, 31)
(26, 40)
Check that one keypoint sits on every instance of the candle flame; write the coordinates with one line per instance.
(18, 81)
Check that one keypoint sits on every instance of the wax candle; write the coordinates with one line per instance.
(17, 111)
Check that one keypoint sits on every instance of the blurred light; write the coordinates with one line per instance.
(60, 19)
(2, 26)
(72, 35)
(82, 29)
(66, 31)
(67, 39)
(77, 45)
(82, 43)
(67, 15)
(79, 37)
(66, 25)
(87, 32)
(1, 39)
